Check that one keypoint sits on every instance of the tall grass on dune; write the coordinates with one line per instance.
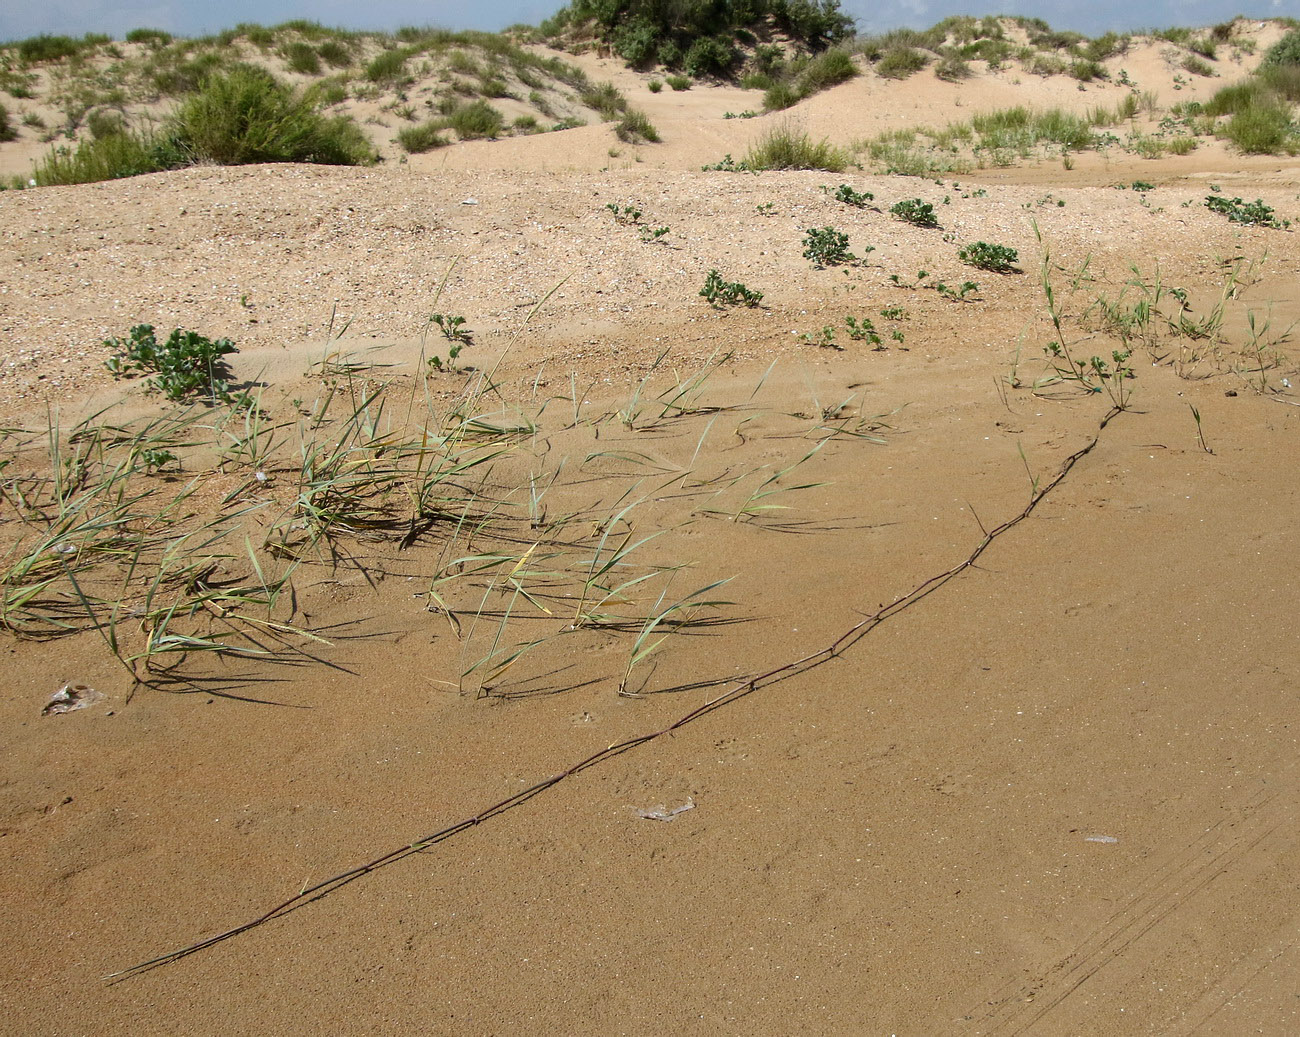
(242, 116)
(786, 147)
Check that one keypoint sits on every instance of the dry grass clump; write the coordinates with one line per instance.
(786, 147)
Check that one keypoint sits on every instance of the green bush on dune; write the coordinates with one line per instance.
(242, 116)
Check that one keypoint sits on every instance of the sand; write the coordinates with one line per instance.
(1054, 791)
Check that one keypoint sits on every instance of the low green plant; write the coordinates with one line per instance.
(628, 215)
(1254, 213)
(721, 293)
(302, 58)
(726, 165)
(476, 120)
(415, 140)
(655, 85)
(439, 365)
(915, 212)
(998, 259)
(634, 127)
(187, 365)
(678, 82)
(956, 294)
(824, 339)
(901, 62)
(826, 246)
(863, 330)
(650, 234)
(846, 194)
(387, 68)
(452, 327)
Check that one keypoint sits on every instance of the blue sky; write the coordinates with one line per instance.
(196, 17)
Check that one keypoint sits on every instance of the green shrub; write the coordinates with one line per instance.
(104, 122)
(901, 62)
(1285, 51)
(327, 92)
(526, 124)
(1254, 213)
(36, 49)
(952, 68)
(828, 69)
(635, 127)
(185, 366)
(604, 99)
(302, 58)
(784, 147)
(476, 119)
(7, 131)
(826, 246)
(915, 212)
(1086, 71)
(1197, 67)
(999, 259)
(1283, 80)
(107, 158)
(655, 85)
(1264, 128)
(149, 37)
(415, 140)
(678, 82)
(387, 67)
(335, 53)
(1237, 97)
(711, 56)
(246, 115)
(780, 96)
(721, 293)
(171, 76)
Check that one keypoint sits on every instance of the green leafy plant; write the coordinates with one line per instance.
(825, 338)
(721, 293)
(915, 212)
(1254, 213)
(185, 366)
(956, 294)
(846, 194)
(826, 246)
(863, 330)
(453, 328)
(766, 208)
(727, 165)
(628, 215)
(998, 259)
(653, 233)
